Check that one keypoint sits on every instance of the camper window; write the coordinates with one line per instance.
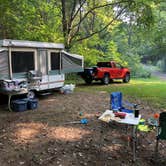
(55, 61)
(22, 61)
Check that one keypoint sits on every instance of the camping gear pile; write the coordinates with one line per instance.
(67, 89)
(12, 85)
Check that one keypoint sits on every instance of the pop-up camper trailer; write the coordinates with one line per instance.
(42, 65)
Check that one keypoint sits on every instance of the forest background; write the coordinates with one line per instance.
(131, 32)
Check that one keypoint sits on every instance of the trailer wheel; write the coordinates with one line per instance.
(31, 94)
(126, 78)
(106, 79)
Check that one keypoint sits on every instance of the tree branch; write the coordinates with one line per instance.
(71, 15)
(78, 10)
(97, 7)
(106, 26)
(64, 22)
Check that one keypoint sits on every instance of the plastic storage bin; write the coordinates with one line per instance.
(32, 104)
(19, 105)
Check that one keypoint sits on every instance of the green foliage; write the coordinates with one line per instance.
(162, 64)
(113, 53)
(130, 31)
(142, 72)
(30, 20)
(95, 50)
(154, 40)
(125, 37)
(90, 53)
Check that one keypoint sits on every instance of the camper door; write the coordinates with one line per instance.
(43, 68)
(56, 78)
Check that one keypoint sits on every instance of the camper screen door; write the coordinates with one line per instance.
(22, 61)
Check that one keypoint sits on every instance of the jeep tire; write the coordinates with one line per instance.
(106, 79)
(126, 78)
(88, 80)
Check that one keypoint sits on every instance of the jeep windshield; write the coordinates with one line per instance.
(103, 64)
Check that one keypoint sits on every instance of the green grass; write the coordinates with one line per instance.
(150, 90)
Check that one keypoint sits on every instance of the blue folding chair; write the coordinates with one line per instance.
(116, 103)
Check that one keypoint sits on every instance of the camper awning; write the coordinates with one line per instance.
(71, 62)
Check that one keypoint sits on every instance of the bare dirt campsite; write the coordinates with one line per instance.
(78, 52)
(44, 136)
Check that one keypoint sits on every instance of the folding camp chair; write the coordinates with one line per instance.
(116, 103)
(161, 131)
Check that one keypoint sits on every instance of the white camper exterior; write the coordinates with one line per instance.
(41, 64)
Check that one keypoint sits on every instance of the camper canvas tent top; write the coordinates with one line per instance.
(43, 65)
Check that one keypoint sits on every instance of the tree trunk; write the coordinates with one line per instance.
(64, 20)
(164, 64)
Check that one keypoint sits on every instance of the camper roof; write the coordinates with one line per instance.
(25, 43)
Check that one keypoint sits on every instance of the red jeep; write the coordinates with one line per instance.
(106, 72)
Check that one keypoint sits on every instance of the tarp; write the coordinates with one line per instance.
(71, 62)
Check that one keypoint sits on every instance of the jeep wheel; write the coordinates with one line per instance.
(127, 78)
(88, 81)
(111, 80)
(106, 79)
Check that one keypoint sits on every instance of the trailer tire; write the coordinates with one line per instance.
(106, 79)
(31, 94)
(126, 78)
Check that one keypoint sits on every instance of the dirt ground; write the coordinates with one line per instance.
(44, 136)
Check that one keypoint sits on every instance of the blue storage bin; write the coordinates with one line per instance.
(32, 104)
(19, 105)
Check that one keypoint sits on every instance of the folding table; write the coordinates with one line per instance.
(129, 120)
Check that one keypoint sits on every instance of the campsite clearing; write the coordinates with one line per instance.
(41, 137)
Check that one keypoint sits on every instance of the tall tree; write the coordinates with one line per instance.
(81, 19)
(30, 19)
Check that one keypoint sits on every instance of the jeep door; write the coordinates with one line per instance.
(118, 71)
